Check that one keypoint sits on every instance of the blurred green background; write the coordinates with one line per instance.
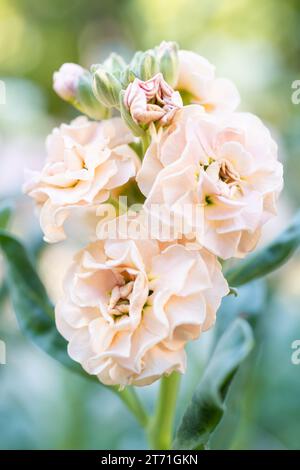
(255, 43)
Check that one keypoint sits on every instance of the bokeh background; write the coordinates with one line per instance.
(255, 43)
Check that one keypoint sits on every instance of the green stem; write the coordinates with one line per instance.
(145, 140)
(160, 431)
(130, 398)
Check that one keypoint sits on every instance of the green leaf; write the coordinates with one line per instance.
(6, 209)
(35, 316)
(249, 303)
(207, 406)
(269, 258)
(31, 304)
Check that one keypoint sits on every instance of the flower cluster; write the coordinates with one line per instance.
(209, 178)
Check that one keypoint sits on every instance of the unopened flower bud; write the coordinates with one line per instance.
(126, 116)
(149, 66)
(65, 81)
(74, 85)
(127, 77)
(167, 53)
(152, 100)
(135, 63)
(86, 101)
(114, 64)
(106, 87)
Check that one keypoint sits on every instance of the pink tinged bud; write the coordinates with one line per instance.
(152, 100)
(65, 81)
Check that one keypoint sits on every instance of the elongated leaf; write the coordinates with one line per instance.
(35, 316)
(5, 213)
(269, 258)
(249, 303)
(207, 406)
(32, 306)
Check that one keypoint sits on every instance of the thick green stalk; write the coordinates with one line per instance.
(160, 431)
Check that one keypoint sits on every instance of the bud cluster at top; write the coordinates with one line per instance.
(148, 80)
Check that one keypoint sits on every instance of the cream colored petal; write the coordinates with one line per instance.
(151, 164)
(186, 316)
(193, 69)
(159, 361)
(223, 95)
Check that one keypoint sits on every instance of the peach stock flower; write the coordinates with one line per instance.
(131, 305)
(224, 165)
(152, 100)
(202, 179)
(197, 78)
(85, 160)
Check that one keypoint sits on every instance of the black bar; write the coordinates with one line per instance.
(134, 458)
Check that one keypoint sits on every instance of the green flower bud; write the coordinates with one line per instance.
(106, 87)
(127, 76)
(114, 64)
(136, 63)
(86, 101)
(167, 53)
(149, 66)
(94, 68)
